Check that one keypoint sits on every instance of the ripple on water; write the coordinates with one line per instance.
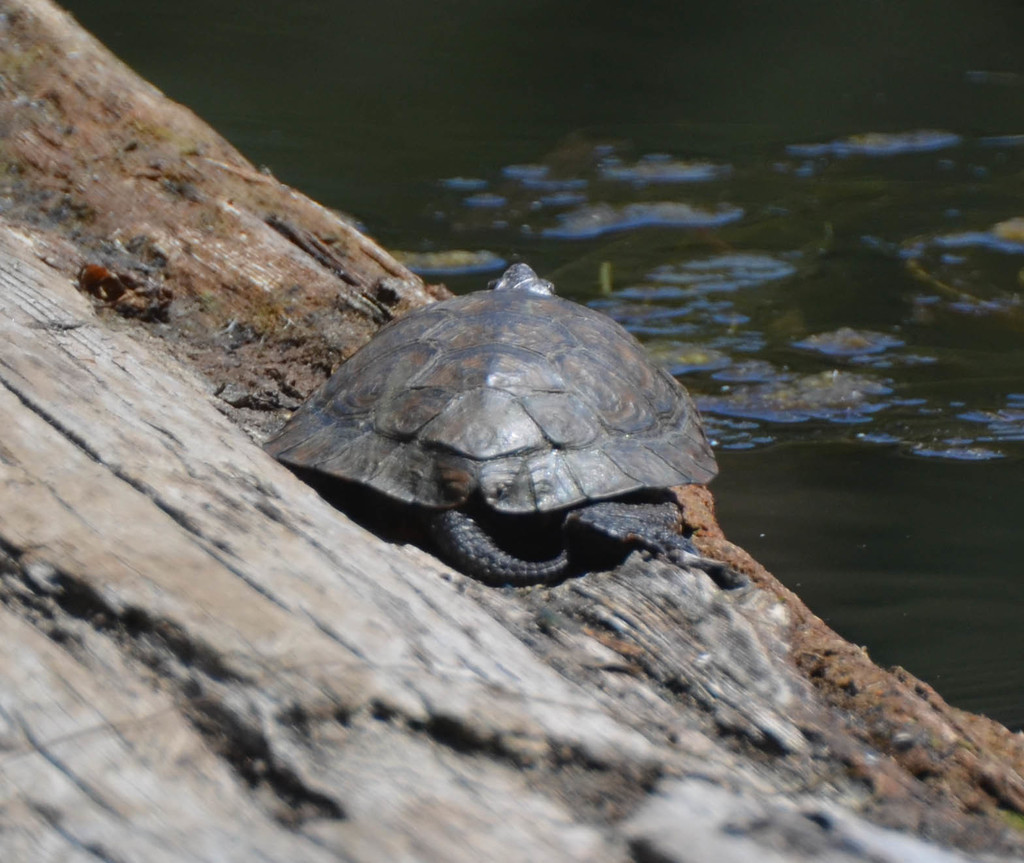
(658, 168)
(463, 184)
(637, 308)
(849, 343)
(723, 272)
(538, 178)
(485, 200)
(562, 199)
(879, 144)
(1004, 424)
(642, 319)
(878, 437)
(525, 172)
(740, 342)
(954, 449)
(453, 262)
(555, 184)
(733, 434)
(983, 437)
(1006, 237)
(593, 220)
(747, 372)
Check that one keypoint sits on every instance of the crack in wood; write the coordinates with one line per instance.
(44, 752)
(320, 252)
(177, 657)
(179, 516)
(93, 849)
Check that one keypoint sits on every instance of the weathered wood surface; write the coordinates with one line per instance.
(201, 660)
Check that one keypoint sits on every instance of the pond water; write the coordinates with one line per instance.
(812, 213)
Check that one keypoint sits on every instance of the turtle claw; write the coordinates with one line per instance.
(594, 536)
(652, 527)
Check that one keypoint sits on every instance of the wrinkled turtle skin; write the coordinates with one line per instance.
(498, 412)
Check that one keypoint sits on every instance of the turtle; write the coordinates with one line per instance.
(529, 434)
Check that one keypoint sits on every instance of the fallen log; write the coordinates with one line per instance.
(202, 660)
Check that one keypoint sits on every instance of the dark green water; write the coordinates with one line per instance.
(878, 471)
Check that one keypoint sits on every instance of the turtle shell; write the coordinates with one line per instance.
(535, 402)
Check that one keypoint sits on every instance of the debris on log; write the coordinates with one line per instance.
(161, 218)
(202, 660)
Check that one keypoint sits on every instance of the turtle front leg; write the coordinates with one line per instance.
(465, 543)
(651, 526)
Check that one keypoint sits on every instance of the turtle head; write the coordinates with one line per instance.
(520, 277)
